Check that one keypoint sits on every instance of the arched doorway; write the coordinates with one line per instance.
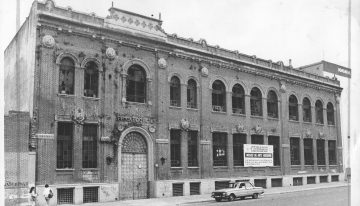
(134, 167)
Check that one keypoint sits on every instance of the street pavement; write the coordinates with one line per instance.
(205, 198)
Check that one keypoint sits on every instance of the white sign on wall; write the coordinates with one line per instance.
(256, 155)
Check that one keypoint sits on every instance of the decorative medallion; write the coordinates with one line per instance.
(120, 127)
(184, 124)
(78, 116)
(48, 41)
(240, 128)
(204, 72)
(110, 53)
(162, 63)
(258, 129)
(321, 135)
(152, 129)
(308, 134)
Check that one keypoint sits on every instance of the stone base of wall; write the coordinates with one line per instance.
(17, 196)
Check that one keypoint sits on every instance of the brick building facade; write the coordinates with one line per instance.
(125, 110)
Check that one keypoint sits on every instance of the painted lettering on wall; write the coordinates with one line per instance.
(16, 184)
(134, 119)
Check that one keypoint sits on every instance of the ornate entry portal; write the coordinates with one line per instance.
(134, 168)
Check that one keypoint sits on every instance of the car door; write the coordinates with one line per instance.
(249, 188)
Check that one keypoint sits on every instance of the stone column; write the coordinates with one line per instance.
(184, 150)
(228, 105)
(302, 154)
(264, 108)
(123, 87)
(300, 110)
(149, 96)
(285, 139)
(327, 154)
(230, 155)
(315, 154)
(325, 115)
(247, 106)
(339, 150)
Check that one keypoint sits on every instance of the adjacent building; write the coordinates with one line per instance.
(121, 109)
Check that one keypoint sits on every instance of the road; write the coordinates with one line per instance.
(321, 197)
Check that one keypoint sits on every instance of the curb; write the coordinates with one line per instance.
(304, 189)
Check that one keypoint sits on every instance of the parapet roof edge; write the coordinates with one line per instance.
(135, 14)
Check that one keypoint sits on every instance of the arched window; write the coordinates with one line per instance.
(319, 112)
(256, 102)
(293, 108)
(218, 96)
(91, 80)
(272, 105)
(175, 92)
(136, 84)
(66, 76)
(330, 114)
(238, 99)
(306, 110)
(191, 94)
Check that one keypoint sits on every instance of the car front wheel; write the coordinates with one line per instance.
(231, 197)
(255, 196)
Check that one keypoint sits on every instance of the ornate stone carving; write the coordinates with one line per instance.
(203, 43)
(240, 127)
(204, 71)
(184, 124)
(152, 128)
(48, 41)
(257, 129)
(321, 135)
(308, 134)
(78, 116)
(110, 53)
(162, 63)
(282, 87)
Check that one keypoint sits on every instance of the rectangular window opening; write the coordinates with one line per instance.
(178, 189)
(90, 194)
(89, 146)
(64, 145)
(65, 196)
(193, 149)
(175, 147)
(238, 149)
(219, 149)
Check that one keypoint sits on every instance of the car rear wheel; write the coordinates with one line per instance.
(217, 199)
(255, 196)
(231, 197)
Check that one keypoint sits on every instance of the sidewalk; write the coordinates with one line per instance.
(206, 197)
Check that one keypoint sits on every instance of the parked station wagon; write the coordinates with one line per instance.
(238, 190)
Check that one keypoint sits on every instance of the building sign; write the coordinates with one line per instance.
(336, 69)
(256, 155)
(134, 119)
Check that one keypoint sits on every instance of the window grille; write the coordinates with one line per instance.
(276, 182)
(330, 114)
(175, 144)
(257, 139)
(320, 147)
(178, 189)
(306, 110)
(91, 80)
(64, 145)
(194, 188)
(175, 92)
(89, 146)
(65, 196)
(191, 94)
(323, 179)
(272, 104)
(238, 99)
(308, 152)
(260, 183)
(332, 152)
(295, 151)
(256, 102)
(319, 112)
(275, 142)
(311, 180)
(90, 194)
(238, 149)
(136, 84)
(218, 96)
(219, 149)
(297, 181)
(192, 148)
(334, 178)
(66, 76)
(293, 108)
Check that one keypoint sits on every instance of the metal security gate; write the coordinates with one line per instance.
(134, 170)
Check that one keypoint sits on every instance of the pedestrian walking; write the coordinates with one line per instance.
(33, 196)
(48, 194)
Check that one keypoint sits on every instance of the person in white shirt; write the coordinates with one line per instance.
(47, 194)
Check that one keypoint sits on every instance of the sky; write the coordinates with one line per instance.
(305, 31)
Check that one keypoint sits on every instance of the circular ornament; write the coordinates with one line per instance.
(162, 63)
(204, 72)
(48, 41)
(152, 129)
(110, 53)
(185, 125)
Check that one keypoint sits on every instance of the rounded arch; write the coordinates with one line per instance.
(139, 62)
(91, 59)
(259, 87)
(293, 93)
(310, 99)
(222, 79)
(193, 78)
(274, 90)
(243, 85)
(69, 55)
(175, 74)
(150, 151)
(321, 100)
